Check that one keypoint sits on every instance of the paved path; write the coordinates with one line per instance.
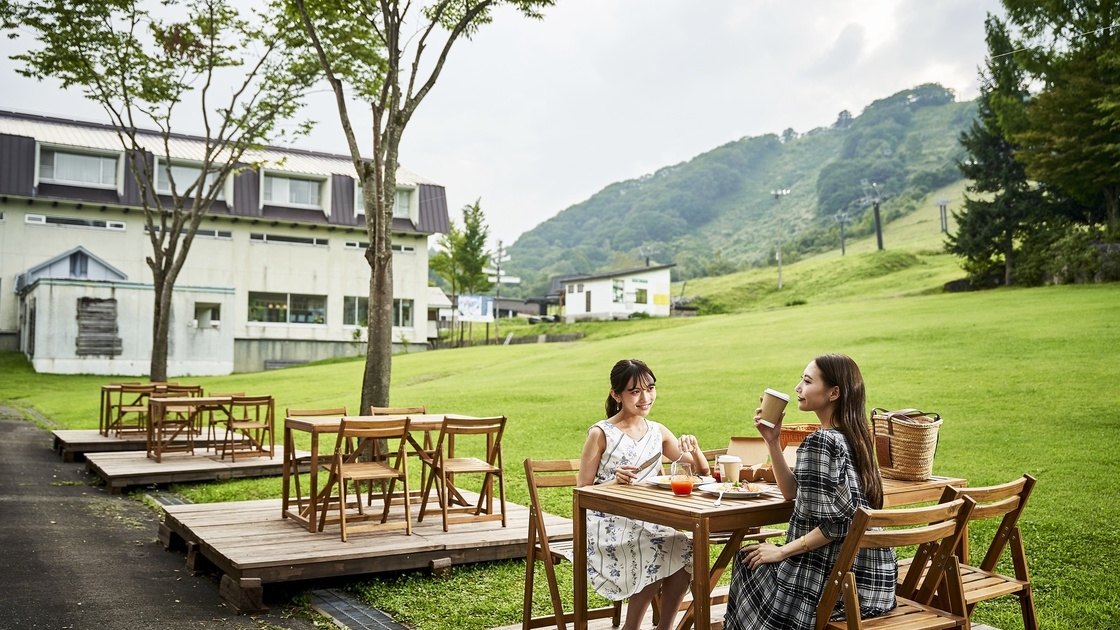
(74, 556)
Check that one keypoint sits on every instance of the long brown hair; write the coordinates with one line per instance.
(622, 374)
(850, 417)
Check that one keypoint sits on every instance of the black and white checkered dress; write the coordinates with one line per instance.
(784, 595)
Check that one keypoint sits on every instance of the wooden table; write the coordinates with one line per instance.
(158, 444)
(697, 514)
(305, 508)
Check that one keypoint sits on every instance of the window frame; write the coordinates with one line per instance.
(323, 193)
(116, 156)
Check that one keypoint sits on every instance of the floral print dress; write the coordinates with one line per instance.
(624, 555)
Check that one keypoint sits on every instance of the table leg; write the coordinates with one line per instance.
(286, 475)
(579, 562)
(701, 578)
(313, 484)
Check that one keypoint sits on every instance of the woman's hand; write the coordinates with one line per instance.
(688, 444)
(760, 554)
(626, 474)
(769, 434)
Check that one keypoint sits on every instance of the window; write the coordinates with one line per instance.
(571, 288)
(402, 313)
(617, 290)
(42, 219)
(184, 176)
(83, 169)
(207, 315)
(641, 296)
(204, 232)
(298, 240)
(97, 328)
(285, 308)
(290, 191)
(404, 249)
(355, 311)
(404, 202)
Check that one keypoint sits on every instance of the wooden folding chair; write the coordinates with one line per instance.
(251, 420)
(355, 459)
(936, 530)
(445, 468)
(396, 411)
(982, 582)
(132, 408)
(213, 421)
(552, 473)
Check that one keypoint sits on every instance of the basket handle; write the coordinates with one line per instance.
(883, 442)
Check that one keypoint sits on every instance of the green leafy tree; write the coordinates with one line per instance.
(1004, 204)
(474, 255)
(1072, 136)
(364, 48)
(148, 71)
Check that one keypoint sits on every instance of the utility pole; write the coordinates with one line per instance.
(875, 198)
(778, 194)
(646, 252)
(842, 218)
(943, 206)
(498, 278)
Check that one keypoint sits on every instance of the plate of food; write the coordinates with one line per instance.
(737, 490)
(663, 481)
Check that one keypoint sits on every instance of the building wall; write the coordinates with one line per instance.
(50, 330)
(656, 283)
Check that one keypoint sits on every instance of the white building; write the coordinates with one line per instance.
(276, 275)
(617, 294)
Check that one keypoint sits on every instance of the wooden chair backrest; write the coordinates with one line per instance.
(257, 408)
(491, 427)
(184, 390)
(1004, 500)
(366, 433)
(396, 411)
(546, 473)
(935, 529)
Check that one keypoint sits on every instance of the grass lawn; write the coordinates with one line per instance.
(1025, 379)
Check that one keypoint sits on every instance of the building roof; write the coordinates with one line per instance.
(27, 278)
(610, 274)
(94, 135)
(437, 298)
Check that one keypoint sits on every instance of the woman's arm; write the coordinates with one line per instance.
(589, 460)
(783, 476)
(765, 553)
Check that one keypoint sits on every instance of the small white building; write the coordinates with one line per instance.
(617, 294)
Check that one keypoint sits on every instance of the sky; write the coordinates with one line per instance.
(530, 117)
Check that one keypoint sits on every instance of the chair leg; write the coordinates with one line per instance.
(424, 500)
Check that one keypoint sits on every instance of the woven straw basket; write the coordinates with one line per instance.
(905, 443)
(795, 433)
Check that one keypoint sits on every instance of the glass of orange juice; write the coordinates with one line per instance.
(680, 478)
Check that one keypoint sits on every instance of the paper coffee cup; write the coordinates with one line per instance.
(729, 466)
(773, 403)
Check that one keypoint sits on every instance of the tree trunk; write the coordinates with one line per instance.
(1112, 207)
(1008, 254)
(157, 370)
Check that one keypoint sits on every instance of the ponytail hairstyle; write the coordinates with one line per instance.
(850, 417)
(624, 373)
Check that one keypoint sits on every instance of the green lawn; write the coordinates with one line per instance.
(1025, 380)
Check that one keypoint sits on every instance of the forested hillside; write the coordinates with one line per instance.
(715, 213)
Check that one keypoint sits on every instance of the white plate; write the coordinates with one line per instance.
(729, 492)
(663, 481)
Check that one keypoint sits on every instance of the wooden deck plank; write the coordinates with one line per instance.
(251, 539)
(73, 444)
(121, 470)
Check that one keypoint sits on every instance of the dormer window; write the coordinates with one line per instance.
(402, 208)
(78, 169)
(184, 175)
(293, 191)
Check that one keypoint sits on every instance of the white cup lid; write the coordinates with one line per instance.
(729, 458)
(778, 394)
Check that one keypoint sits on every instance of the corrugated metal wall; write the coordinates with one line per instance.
(17, 165)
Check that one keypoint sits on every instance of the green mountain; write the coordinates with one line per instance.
(716, 213)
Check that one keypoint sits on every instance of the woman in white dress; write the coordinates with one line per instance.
(628, 558)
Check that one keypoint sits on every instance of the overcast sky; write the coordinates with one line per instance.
(534, 116)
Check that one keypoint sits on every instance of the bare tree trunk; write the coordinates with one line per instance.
(1008, 264)
(1112, 206)
(157, 371)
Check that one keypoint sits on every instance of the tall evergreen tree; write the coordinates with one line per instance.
(1004, 201)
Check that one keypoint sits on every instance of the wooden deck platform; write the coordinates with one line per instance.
(121, 470)
(252, 545)
(73, 444)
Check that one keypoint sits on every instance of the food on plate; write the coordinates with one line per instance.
(741, 486)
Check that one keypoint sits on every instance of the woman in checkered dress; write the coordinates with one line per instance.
(778, 587)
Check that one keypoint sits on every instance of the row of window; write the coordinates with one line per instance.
(294, 308)
(106, 170)
(42, 219)
(618, 291)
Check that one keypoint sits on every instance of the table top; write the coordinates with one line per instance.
(660, 505)
(191, 400)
